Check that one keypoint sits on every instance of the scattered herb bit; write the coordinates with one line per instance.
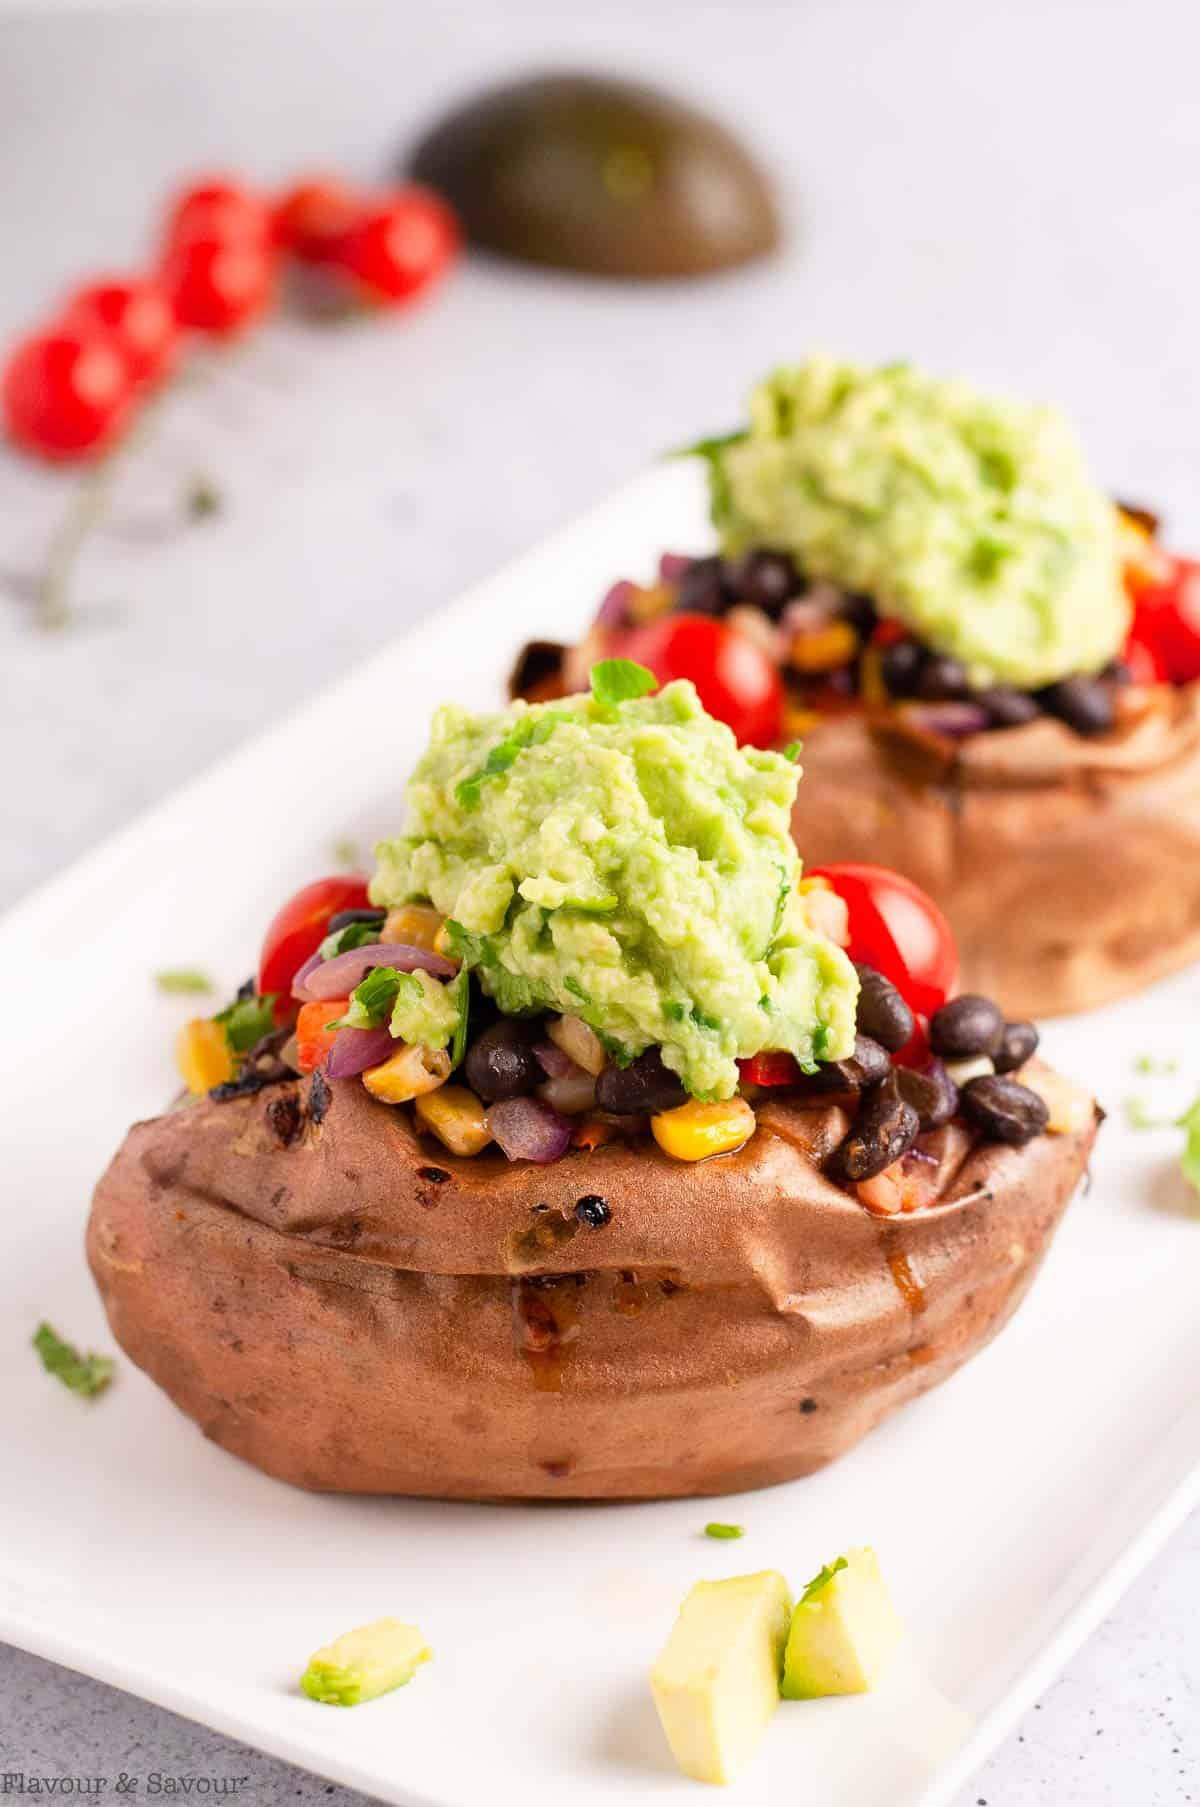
(793, 750)
(823, 1578)
(529, 731)
(181, 981)
(987, 555)
(715, 1529)
(1151, 1063)
(346, 853)
(592, 906)
(86, 1375)
(469, 948)
(372, 999)
(345, 940)
(203, 499)
(576, 989)
(709, 448)
(247, 1020)
(620, 681)
(1139, 1115)
(1189, 1160)
(460, 991)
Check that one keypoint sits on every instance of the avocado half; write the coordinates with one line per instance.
(348, 1307)
(605, 177)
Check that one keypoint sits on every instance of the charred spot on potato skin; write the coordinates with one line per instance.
(558, 1471)
(808, 1405)
(593, 1211)
(279, 1194)
(552, 1230)
(284, 1118)
(319, 1098)
(437, 1176)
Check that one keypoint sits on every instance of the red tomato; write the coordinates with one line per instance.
(399, 248)
(1168, 616)
(1141, 653)
(773, 1068)
(313, 1039)
(313, 218)
(898, 930)
(221, 208)
(138, 315)
(737, 681)
(219, 285)
(298, 931)
(65, 393)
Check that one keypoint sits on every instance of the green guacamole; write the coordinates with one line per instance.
(972, 520)
(628, 863)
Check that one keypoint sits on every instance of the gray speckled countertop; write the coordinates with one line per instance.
(1007, 191)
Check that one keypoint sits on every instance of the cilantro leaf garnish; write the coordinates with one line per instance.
(620, 681)
(529, 731)
(372, 999)
(822, 1579)
(467, 947)
(247, 1020)
(460, 991)
(793, 750)
(86, 1375)
(345, 940)
(183, 981)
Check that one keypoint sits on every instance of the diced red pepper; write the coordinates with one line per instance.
(771, 1068)
(313, 1038)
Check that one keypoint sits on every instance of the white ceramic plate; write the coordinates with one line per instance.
(1009, 1507)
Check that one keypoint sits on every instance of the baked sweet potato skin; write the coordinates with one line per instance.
(1069, 868)
(347, 1307)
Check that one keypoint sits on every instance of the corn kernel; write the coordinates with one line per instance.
(695, 1130)
(409, 1073)
(1071, 1109)
(824, 650)
(203, 1055)
(456, 1117)
(413, 925)
(649, 603)
(572, 1035)
(871, 688)
(799, 721)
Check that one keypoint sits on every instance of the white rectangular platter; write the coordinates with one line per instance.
(1009, 1508)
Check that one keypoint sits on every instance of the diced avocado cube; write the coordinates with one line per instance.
(362, 1664)
(843, 1632)
(716, 1682)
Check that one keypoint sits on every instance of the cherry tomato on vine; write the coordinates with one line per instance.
(398, 248)
(218, 285)
(298, 929)
(313, 218)
(138, 315)
(737, 681)
(219, 209)
(65, 393)
(899, 930)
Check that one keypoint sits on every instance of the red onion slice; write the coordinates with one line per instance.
(671, 567)
(337, 978)
(555, 1061)
(528, 1130)
(354, 1050)
(614, 610)
(955, 720)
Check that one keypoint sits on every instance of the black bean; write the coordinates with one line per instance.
(501, 1062)
(901, 667)
(767, 579)
(943, 679)
(1117, 672)
(1085, 704)
(1018, 1044)
(344, 918)
(886, 1127)
(1008, 708)
(860, 612)
(931, 1092)
(642, 1088)
(1004, 1109)
(865, 1067)
(593, 1211)
(538, 662)
(966, 1026)
(702, 589)
(882, 1012)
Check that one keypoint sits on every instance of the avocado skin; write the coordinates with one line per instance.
(602, 177)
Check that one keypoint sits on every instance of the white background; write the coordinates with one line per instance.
(1011, 192)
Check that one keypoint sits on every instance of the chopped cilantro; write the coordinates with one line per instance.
(822, 1579)
(83, 1374)
(620, 681)
(592, 906)
(528, 731)
(715, 1529)
(576, 989)
(674, 1011)
(247, 1020)
(460, 991)
(346, 852)
(183, 981)
(464, 946)
(345, 940)
(709, 448)
(617, 1052)
(704, 1021)
(987, 555)
(1189, 1160)
(793, 750)
(1151, 1063)
(372, 999)
(1139, 1115)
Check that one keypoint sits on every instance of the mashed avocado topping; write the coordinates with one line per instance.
(972, 520)
(620, 858)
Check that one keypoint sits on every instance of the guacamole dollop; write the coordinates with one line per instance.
(628, 863)
(970, 519)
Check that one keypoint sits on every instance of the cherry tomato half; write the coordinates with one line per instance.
(399, 248)
(65, 393)
(896, 928)
(1168, 617)
(1141, 653)
(773, 1067)
(298, 930)
(139, 316)
(220, 208)
(313, 218)
(219, 285)
(737, 681)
